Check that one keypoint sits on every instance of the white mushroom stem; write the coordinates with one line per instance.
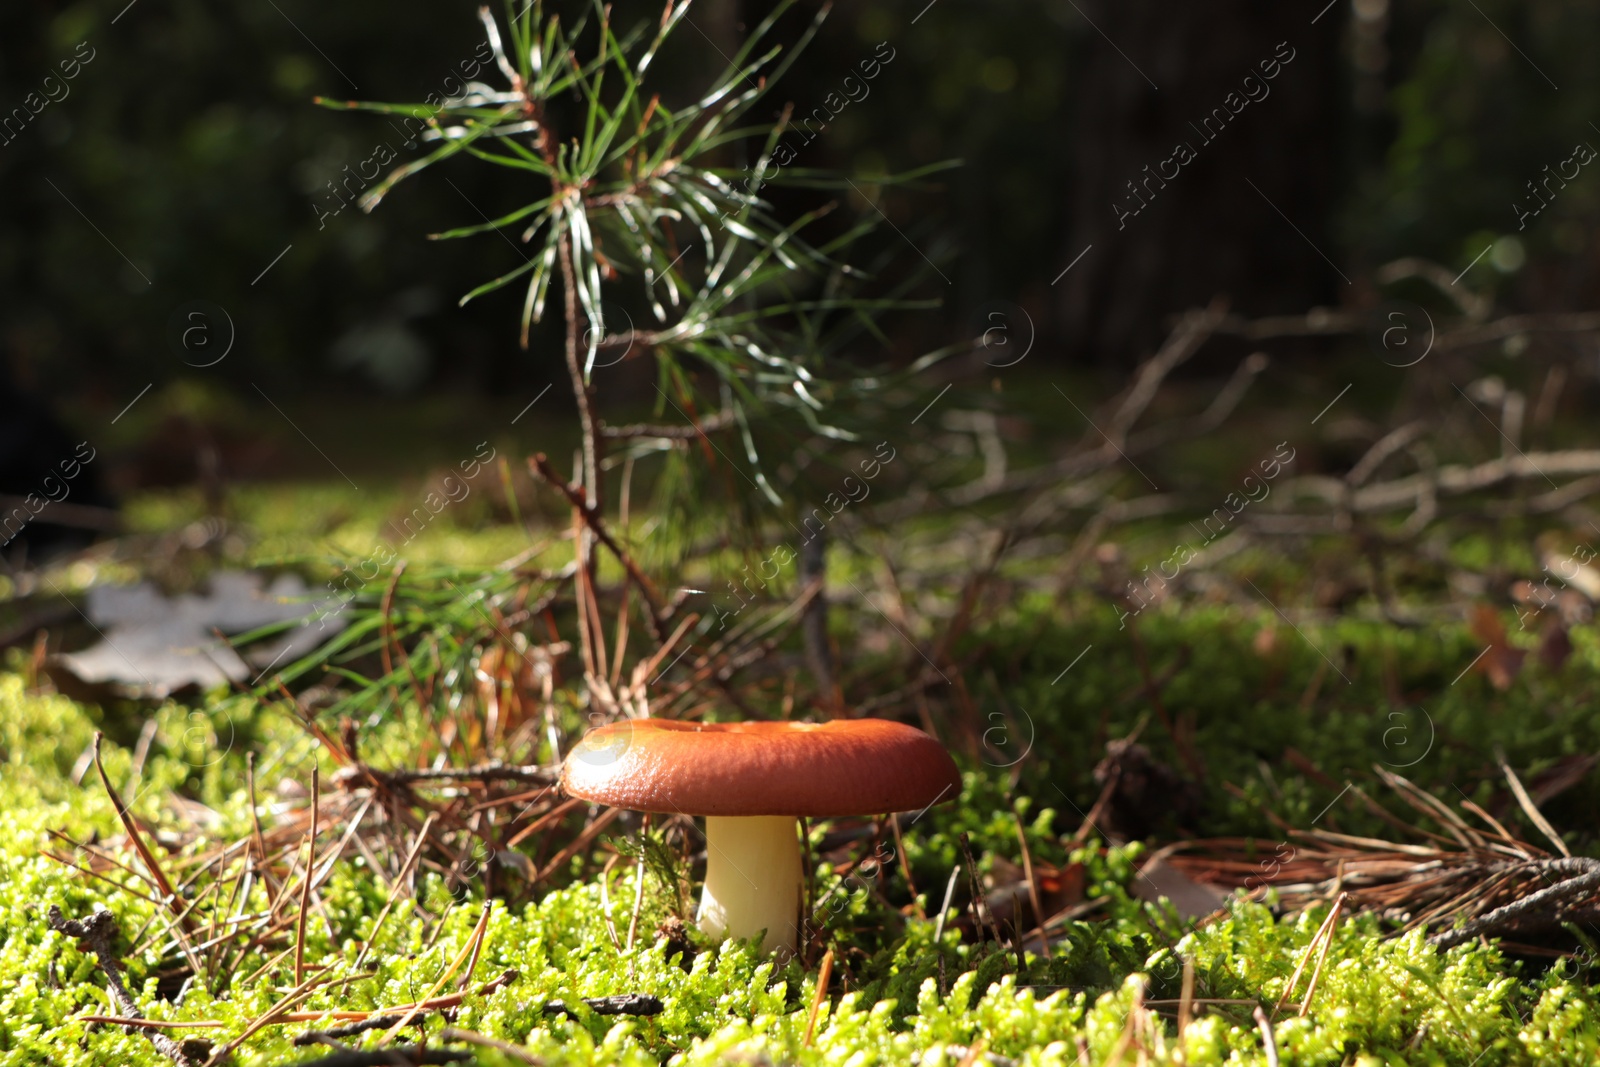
(752, 879)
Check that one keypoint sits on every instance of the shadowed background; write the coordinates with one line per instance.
(185, 161)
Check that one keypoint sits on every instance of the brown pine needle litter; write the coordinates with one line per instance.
(824, 974)
(1459, 884)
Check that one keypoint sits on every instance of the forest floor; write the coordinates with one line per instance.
(1349, 767)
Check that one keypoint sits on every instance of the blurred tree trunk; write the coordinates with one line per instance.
(1191, 227)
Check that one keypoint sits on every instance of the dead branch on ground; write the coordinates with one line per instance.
(97, 932)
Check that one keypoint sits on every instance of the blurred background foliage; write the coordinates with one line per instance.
(186, 155)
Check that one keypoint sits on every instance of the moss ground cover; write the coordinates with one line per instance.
(1107, 990)
(1264, 721)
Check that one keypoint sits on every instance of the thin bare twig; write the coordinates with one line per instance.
(675, 432)
(484, 772)
(621, 1004)
(97, 931)
(595, 523)
(1529, 808)
(1269, 1044)
(1585, 882)
(404, 1056)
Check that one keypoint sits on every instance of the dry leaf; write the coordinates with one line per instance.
(154, 645)
(1555, 646)
(1193, 900)
(1500, 662)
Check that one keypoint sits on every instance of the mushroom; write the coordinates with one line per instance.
(751, 781)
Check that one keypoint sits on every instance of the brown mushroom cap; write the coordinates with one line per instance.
(843, 767)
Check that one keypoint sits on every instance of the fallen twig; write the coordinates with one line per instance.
(621, 1004)
(321, 1037)
(392, 1017)
(97, 931)
(404, 1056)
(1270, 1045)
(1585, 883)
(149, 1024)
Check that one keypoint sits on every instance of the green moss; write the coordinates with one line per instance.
(1401, 698)
(1387, 695)
(1390, 1000)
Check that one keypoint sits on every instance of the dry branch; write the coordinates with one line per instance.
(97, 931)
(710, 424)
(621, 1004)
(1268, 1043)
(595, 523)
(403, 1056)
(350, 777)
(1449, 480)
(322, 1037)
(1464, 884)
(1544, 907)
